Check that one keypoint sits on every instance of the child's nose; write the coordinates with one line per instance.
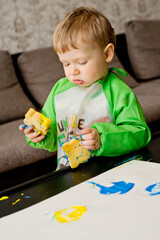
(74, 70)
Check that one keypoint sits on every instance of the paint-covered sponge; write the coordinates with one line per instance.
(75, 152)
(38, 120)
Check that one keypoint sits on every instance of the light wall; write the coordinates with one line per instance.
(29, 24)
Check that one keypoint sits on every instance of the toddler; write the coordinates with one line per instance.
(91, 101)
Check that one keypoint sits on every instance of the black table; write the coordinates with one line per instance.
(31, 192)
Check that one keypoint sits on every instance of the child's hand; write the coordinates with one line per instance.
(90, 138)
(32, 136)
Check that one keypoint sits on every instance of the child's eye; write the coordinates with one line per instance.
(82, 62)
(65, 64)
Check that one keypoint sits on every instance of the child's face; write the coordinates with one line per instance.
(85, 65)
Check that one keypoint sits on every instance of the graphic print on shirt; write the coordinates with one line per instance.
(78, 108)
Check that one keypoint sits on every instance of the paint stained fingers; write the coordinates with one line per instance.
(35, 136)
(89, 144)
(28, 129)
(83, 132)
(88, 136)
(32, 135)
(22, 127)
(38, 139)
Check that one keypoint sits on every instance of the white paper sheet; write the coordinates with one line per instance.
(120, 204)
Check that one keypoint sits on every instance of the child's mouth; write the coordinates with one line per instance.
(78, 81)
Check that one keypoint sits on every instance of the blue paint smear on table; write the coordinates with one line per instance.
(154, 189)
(120, 187)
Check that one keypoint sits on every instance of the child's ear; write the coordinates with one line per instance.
(109, 52)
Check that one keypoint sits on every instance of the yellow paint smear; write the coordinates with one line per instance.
(3, 198)
(70, 215)
(122, 165)
(16, 201)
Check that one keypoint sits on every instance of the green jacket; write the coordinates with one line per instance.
(125, 129)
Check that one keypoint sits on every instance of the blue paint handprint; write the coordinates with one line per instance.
(154, 189)
(117, 187)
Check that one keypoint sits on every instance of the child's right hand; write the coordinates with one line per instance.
(32, 136)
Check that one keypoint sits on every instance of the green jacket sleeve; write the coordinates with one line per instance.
(50, 141)
(129, 130)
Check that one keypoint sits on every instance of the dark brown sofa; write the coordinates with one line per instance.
(27, 78)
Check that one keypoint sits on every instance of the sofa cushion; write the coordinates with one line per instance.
(129, 80)
(144, 48)
(40, 69)
(14, 150)
(13, 102)
(148, 96)
(40, 91)
(7, 74)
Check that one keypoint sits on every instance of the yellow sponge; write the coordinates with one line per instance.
(75, 152)
(38, 120)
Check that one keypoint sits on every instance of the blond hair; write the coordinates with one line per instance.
(86, 23)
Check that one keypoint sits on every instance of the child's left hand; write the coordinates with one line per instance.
(90, 138)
